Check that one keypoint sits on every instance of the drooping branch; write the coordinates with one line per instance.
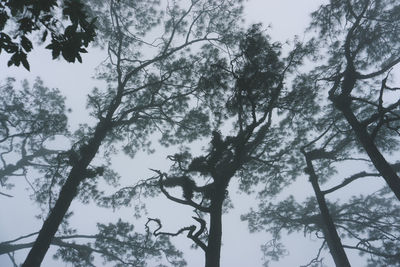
(317, 258)
(194, 236)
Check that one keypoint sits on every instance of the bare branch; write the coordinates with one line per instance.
(317, 257)
(6, 195)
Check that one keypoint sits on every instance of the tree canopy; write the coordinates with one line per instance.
(322, 112)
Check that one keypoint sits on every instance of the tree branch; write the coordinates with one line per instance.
(350, 179)
(193, 236)
(188, 202)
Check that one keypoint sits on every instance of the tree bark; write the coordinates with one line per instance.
(331, 236)
(67, 194)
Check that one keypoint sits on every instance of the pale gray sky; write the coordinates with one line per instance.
(287, 18)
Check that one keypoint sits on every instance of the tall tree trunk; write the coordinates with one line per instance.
(379, 161)
(331, 236)
(67, 194)
(213, 252)
(343, 103)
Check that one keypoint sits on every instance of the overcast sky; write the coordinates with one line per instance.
(287, 18)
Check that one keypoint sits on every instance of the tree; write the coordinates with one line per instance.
(364, 46)
(359, 220)
(116, 243)
(330, 234)
(362, 37)
(144, 93)
(249, 87)
(332, 142)
(335, 151)
(204, 78)
(18, 19)
(29, 117)
(367, 224)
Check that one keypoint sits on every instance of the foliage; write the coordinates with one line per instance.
(185, 72)
(358, 45)
(363, 48)
(143, 94)
(30, 117)
(19, 19)
(249, 88)
(116, 243)
(367, 29)
(365, 223)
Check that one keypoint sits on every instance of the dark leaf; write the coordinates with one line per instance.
(25, 63)
(79, 58)
(46, 18)
(44, 36)
(70, 30)
(26, 25)
(55, 48)
(75, 11)
(3, 19)
(26, 44)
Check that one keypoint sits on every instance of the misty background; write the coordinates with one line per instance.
(283, 20)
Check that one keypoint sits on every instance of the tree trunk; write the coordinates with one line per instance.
(213, 252)
(67, 194)
(379, 161)
(331, 236)
(343, 103)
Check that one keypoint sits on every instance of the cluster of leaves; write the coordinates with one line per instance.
(19, 19)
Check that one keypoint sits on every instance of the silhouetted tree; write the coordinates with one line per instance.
(366, 40)
(249, 86)
(368, 224)
(332, 142)
(363, 47)
(265, 125)
(144, 93)
(31, 117)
